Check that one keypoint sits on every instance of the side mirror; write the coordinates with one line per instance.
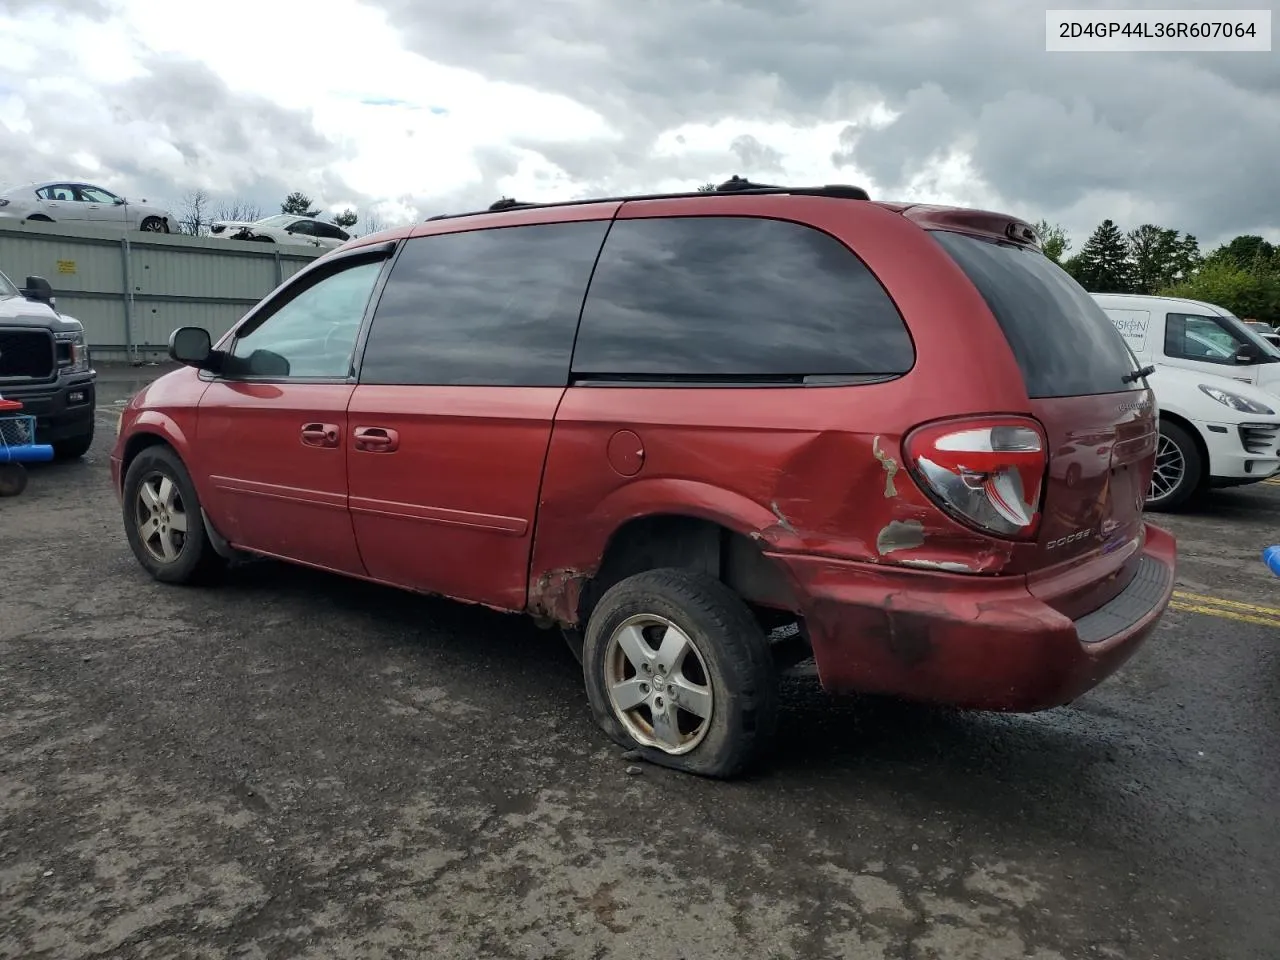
(38, 289)
(120, 201)
(1248, 353)
(191, 346)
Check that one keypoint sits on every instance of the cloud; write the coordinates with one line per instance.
(1043, 132)
(417, 108)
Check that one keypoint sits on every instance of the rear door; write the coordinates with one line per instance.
(466, 361)
(272, 434)
(1082, 382)
(58, 200)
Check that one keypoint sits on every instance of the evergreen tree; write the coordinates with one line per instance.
(1103, 265)
(298, 204)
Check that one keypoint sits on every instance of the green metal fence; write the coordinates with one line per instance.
(131, 291)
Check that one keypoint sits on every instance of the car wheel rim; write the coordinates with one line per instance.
(151, 226)
(1171, 467)
(161, 518)
(658, 684)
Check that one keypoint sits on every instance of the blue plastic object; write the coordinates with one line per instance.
(1271, 557)
(31, 453)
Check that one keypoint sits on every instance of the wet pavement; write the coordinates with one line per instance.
(290, 765)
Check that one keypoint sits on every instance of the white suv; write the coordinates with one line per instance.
(1215, 430)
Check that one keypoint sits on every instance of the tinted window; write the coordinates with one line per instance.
(313, 334)
(329, 230)
(496, 307)
(735, 297)
(1064, 343)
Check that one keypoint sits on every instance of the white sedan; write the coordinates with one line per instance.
(69, 201)
(282, 228)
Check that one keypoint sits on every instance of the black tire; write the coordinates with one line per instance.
(1193, 470)
(195, 559)
(74, 447)
(738, 667)
(13, 479)
(154, 225)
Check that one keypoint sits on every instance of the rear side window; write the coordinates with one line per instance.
(738, 299)
(1065, 344)
(491, 307)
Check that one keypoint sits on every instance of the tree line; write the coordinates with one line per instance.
(1242, 274)
(198, 212)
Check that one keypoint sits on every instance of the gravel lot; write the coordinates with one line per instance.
(295, 766)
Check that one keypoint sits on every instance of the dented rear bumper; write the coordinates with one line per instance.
(971, 641)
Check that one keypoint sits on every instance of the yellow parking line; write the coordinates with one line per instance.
(1274, 481)
(1224, 602)
(1226, 609)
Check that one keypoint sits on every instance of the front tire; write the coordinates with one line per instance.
(13, 479)
(154, 225)
(677, 668)
(74, 447)
(162, 519)
(1179, 471)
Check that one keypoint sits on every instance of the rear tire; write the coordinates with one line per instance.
(677, 668)
(163, 521)
(1179, 472)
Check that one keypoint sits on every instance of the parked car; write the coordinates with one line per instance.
(681, 428)
(282, 228)
(1265, 330)
(46, 366)
(1217, 429)
(1193, 335)
(1214, 432)
(69, 201)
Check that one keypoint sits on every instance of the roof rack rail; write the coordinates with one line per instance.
(507, 203)
(734, 185)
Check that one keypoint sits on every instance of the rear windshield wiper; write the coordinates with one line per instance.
(1138, 374)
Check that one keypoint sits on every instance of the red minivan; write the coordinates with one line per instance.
(710, 436)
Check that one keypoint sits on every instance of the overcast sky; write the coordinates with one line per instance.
(416, 107)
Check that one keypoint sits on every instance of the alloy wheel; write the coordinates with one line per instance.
(1171, 467)
(658, 684)
(161, 517)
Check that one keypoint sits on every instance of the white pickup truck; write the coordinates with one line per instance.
(1217, 385)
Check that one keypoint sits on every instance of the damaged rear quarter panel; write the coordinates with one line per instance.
(781, 466)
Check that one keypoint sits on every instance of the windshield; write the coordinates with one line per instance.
(7, 289)
(278, 218)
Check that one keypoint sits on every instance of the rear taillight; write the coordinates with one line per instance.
(987, 472)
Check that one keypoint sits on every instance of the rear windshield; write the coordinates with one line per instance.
(1064, 344)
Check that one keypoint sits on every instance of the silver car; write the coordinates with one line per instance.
(74, 202)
